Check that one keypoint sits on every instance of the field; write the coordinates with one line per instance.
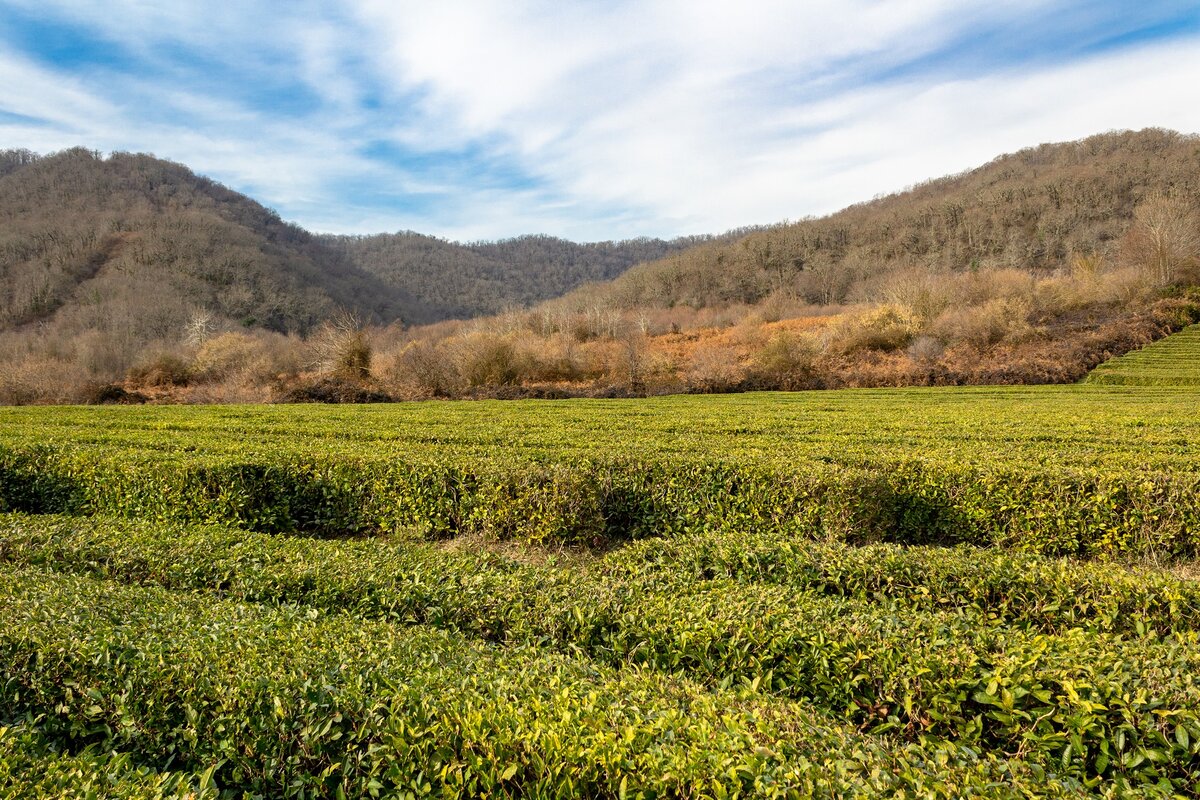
(915, 593)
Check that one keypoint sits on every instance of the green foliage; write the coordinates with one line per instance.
(573, 500)
(782, 616)
(33, 769)
(1008, 587)
(1173, 361)
(584, 490)
(290, 702)
(921, 661)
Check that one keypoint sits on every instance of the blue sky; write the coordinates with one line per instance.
(590, 120)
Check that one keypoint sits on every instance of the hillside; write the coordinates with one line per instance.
(104, 260)
(84, 239)
(469, 280)
(91, 244)
(1032, 268)
(1036, 210)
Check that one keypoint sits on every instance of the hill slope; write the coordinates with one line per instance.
(1173, 361)
(130, 241)
(1038, 209)
(1032, 268)
(146, 242)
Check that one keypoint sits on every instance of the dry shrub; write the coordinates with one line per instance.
(662, 321)
(599, 360)
(485, 359)
(225, 355)
(1126, 287)
(886, 327)
(925, 350)
(553, 360)
(1084, 288)
(422, 370)
(922, 294)
(977, 288)
(37, 379)
(788, 360)
(110, 394)
(1087, 268)
(334, 389)
(162, 370)
(237, 367)
(999, 320)
(715, 368)
(231, 391)
(1164, 240)
(103, 354)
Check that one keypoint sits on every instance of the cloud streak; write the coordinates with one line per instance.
(588, 120)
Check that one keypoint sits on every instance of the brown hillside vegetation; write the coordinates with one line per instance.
(1032, 268)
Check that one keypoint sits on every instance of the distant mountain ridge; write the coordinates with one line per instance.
(460, 281)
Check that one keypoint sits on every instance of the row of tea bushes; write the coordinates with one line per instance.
(33, 769)
(1096, 704)
(1039, 428)
(403, 579)
(1173, 361)
(589, 501)
(1016, 588)
(290, 702)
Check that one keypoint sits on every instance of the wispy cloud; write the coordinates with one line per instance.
(590, 120)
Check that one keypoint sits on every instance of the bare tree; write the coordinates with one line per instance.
(200, 328)
(341, 347)
(1164, 240)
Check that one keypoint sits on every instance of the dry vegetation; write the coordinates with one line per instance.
(1031, 269)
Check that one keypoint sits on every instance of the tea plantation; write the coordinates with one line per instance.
(1173, 361)
(926, 593)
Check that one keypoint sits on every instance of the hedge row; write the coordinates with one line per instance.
(405, 580)
(1015, 588)
(288, 702)
(32, 769)
(1088, 512)
(1098, 705)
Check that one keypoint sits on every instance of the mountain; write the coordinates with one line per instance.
(469, 280)
(140, 245)
(1031, 268)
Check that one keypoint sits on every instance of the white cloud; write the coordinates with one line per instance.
(619, 119)
(704, 116)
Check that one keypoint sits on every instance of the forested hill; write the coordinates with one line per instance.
(467, 280)
(1039, 209)
(137, 244)
(1031, 268)
(90, 242)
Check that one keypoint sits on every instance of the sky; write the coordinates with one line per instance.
(589, 120)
